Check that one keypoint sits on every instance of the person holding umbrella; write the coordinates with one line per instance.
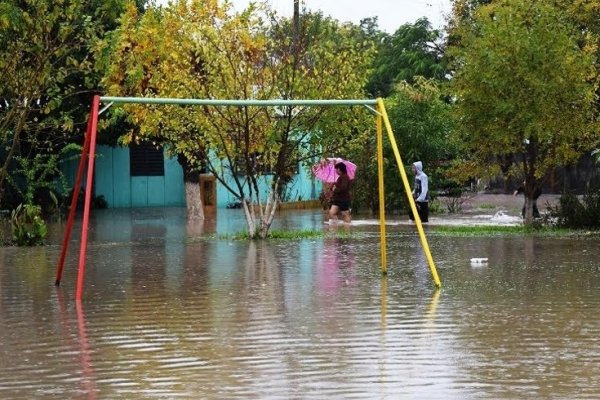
(340, 196)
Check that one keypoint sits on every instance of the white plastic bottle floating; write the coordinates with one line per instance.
(479, 261)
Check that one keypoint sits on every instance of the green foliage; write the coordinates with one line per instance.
(200, 49)
(422, 124)
(279, 234)
(525, 91)
(573, 213)
(288, 235)
(37, 173)
(47, 73)
(38, 179)
(481, 231)
(28, 227)
(413, 50)
(435, 207)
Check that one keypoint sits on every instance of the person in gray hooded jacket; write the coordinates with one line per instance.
(420, 192)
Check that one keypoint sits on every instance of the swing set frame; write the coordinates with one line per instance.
(89, 150)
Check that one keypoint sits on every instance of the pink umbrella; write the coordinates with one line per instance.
(325, 169)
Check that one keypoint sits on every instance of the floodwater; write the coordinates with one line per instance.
(167, 314)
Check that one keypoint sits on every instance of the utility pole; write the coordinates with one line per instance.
(296, 19)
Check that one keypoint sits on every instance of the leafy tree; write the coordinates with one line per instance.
(422, 124)
(406, 67)
(524, 92)
(413, 50)
(585, 15)
(47, 73)
(206, 51)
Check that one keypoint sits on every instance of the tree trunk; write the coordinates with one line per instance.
(191, 178)
(528, 214)
(250, 218)
(193, 200)
(268, 217)
(261, 227)
(530, 210)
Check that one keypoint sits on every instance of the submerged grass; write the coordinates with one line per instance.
(486, 206)
(289, 234)
(456, 231)
(519, 230)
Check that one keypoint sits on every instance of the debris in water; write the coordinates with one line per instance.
(479, 261)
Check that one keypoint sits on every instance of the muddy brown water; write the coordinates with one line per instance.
(168, 315)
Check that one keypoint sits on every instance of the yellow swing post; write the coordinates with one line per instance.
(382, 239)
(382, 116)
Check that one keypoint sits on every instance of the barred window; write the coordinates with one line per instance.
(146, 159)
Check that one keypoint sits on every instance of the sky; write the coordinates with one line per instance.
(391, 14)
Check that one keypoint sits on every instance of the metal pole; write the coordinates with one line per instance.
(255, 103)
(88, 196)
(408, 191)
(382, 233)
(74, 199)
(296, 21)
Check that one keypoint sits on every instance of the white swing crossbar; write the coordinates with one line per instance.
(256, 103)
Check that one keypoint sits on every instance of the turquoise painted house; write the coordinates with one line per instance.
(137, 176)
(143, 176)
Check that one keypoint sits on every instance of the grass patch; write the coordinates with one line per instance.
(486, 206)
(520, 230)
(452, 231)
(294, 235)
(288, 235)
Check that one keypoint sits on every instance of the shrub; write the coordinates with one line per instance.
(574, 213)
(28, 227)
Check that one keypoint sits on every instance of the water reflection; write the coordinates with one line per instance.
(168, 314)
(335, 265)
(384, 302)
(84, 355)
(79, 347)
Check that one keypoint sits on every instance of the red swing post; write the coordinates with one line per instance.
(88, 152)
